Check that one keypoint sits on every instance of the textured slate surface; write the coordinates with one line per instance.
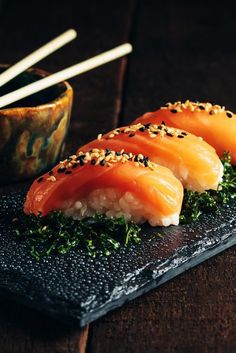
(78, 289)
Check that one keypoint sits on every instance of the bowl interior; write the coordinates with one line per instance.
(43, 97)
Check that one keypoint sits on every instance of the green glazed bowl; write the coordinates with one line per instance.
(33, 130)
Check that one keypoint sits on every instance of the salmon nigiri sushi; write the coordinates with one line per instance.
(213, 123)
(193, 161)
(112, 183)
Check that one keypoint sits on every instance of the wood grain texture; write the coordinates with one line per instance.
(25, 26)
(24, 330)
(180, 52)
(195, 312)
(100, 26)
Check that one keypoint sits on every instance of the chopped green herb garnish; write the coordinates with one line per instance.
(57, 234)
(195, 204)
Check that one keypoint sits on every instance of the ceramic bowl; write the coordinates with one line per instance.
(33, 130)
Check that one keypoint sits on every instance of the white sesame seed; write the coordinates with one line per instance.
(51, 178)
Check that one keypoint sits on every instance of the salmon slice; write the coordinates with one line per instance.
(114, 183)
(213, 123)
(193, 161)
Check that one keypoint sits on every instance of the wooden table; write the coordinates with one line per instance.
(180, 52)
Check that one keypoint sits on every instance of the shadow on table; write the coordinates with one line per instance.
(24, 330)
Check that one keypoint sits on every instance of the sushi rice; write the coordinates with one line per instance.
(114, 204)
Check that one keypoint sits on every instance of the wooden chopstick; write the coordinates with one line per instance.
(65, 74)
(37, 55)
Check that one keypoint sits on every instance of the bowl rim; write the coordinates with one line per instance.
(54, 102)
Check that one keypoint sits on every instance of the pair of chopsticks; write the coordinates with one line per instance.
(60, 76)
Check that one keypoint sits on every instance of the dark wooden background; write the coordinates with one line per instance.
(182, 49)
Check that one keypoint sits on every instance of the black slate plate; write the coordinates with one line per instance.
(78, 289)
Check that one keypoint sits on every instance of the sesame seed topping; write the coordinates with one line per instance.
(151, 129)
(210, 108)
(80, 157)
(142, 129)
(51, 178)
(229, 114)
(106, 158)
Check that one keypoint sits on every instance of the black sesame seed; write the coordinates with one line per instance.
(183, 133)
(136, 159)
(155, 132)
(51, 172)
(142, 129)
(118, 154)
(145, 161)
(61, 170)
(74, 166)
(180, 136)
(163, 123)
(229, 115)
(174, 111)
(211, 112)
(93, 161)
(68, 172)
(79, 158)
(147, 125)
(169, 134)
(40, 179)
(201, 107)
(103, 162)
(131, 135)
(108, 151)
